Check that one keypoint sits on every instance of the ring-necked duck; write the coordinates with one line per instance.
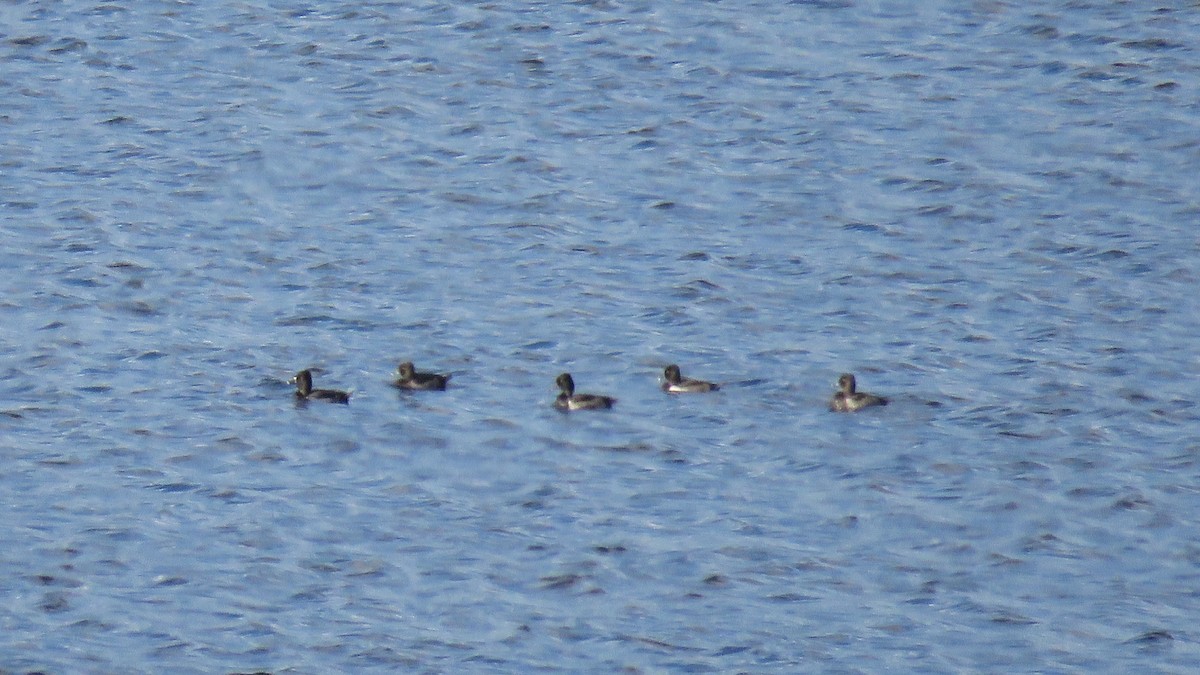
(569, 400)
(305, 391)
(849, 400)
(411, 379)
(678, 384)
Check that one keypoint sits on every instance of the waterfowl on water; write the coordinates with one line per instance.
(411, 379)
(305, 391)
(676, 383)
(569, 400)
(849, 400)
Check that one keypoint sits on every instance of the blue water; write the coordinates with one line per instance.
(987, 211)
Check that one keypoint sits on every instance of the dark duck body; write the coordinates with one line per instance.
(305, 391)
(569, 400)
(849, 399)
(409, 378)
(676, 383)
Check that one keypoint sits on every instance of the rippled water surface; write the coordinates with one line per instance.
(986, 210)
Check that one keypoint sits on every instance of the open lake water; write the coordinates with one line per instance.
(986, 210)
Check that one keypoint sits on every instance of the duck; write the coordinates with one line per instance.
(850, 400)
(411, 379)
(569, 400)
(305, 391)
(676, 383)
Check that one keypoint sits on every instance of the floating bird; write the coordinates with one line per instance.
(569, 400)
(678, 384)
(849, 400)
(411, 379)
(305, 391)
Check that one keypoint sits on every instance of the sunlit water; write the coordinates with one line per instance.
(987, 211)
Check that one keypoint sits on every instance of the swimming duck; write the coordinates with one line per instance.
(678, 384)
(849, 400)
(305, 391)
(569, 400)
(411, 379)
